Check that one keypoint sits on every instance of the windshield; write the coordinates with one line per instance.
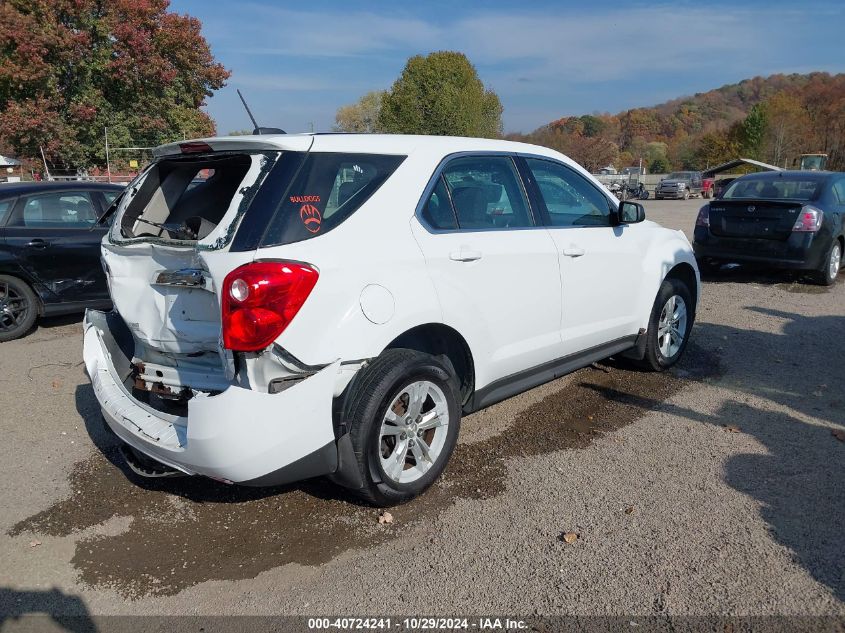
(768, 189)
(679, 175)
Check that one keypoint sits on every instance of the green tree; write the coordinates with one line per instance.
(70, 68)
(593, 126)
(752, 132)
(441, 94)
(361, 116)
(659, 166)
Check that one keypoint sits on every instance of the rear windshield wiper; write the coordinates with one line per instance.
(180, 231)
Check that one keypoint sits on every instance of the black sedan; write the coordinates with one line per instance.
(779, 219)
(50, 251)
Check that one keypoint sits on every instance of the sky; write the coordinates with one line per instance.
(297, 62)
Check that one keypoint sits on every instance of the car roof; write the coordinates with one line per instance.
(8, 189)
(401, 144)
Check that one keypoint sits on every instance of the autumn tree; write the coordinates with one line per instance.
(824, 98)
(787, 128)
(441, 94)
(70, 68)
(361, 116)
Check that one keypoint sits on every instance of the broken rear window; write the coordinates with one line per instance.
(192, 198)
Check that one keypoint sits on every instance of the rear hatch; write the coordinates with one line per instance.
(167, 251)
(762, 219)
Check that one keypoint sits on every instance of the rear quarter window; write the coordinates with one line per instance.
(328, 189)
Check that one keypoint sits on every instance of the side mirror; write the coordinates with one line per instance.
(630, 212)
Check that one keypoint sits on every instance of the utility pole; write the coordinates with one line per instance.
(108, 163)
(46, 169)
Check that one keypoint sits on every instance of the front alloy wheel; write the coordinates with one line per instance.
(672, 326)
(670, 323)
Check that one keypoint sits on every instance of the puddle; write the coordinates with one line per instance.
(187, 531)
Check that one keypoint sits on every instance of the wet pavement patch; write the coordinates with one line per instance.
(190, 530)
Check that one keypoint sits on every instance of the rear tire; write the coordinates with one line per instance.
(18, 308)
(826, 275)
(669, 326)
(405, 416)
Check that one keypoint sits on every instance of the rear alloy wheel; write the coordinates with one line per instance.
(413, 432)
(18, 308)
(826, 276)
(404, 415)
(670, 324)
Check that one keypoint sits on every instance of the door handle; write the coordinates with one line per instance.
(465, 255)
(38, 243)
(573, 251)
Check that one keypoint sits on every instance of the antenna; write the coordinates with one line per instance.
(248, 111)
(256, 128)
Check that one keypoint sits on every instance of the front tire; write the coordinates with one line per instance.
(18, 308)
(826, 275)
(669, 326)
(405, 417)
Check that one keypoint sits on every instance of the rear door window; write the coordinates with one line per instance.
(328, 189)
(486, 193)
(438, 212)
(60, 210)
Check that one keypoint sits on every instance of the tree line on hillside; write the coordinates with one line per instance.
(773, 119)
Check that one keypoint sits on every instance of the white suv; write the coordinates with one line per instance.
(292, 306)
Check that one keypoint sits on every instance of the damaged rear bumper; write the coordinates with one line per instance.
(239, 435)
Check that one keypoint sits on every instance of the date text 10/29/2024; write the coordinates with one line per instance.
(417, 624)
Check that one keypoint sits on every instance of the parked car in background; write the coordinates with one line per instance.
(708, 187)
(721, 185)
(784, 219)
(331, 304)
(50, 251)
(679, 185)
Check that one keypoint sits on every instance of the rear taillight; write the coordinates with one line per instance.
(261, 299)
(703, 218)
(809, 220)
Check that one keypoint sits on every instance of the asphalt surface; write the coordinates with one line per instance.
(716, 488)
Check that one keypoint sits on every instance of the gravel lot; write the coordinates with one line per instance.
(715, 489)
